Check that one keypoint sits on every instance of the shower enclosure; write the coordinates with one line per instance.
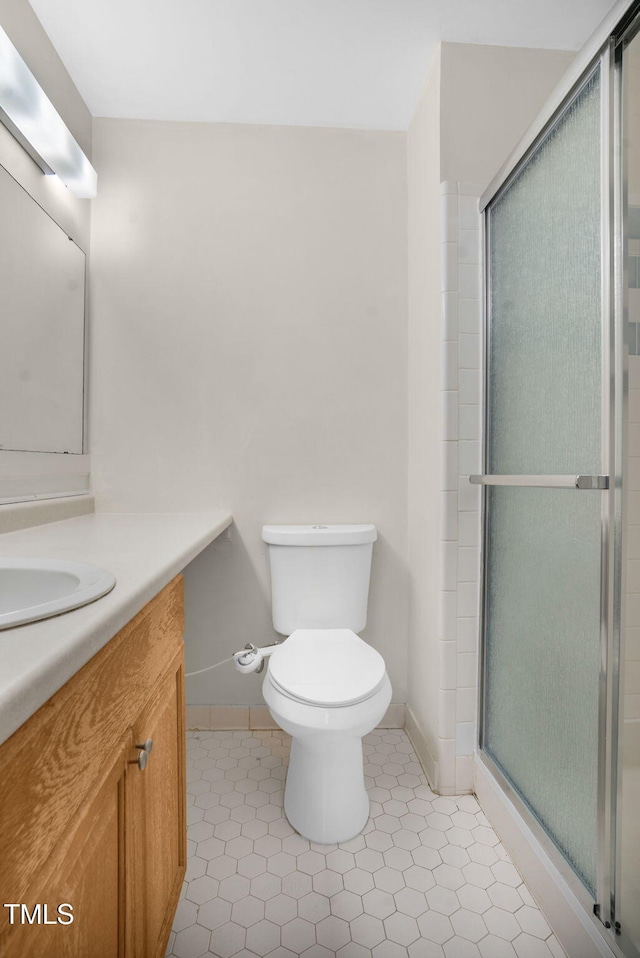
(560, 684)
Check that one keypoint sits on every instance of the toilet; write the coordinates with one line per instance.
(324, 685)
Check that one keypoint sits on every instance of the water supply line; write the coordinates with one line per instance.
(188, 675)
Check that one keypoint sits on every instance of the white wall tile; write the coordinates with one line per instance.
(469, 529)
(448, 666)
(469, 496)
(633, 609)
(633, 473)
(447, 769)
(449, 414)
(449, 351)
(449, 466)
(464, 774)
(633, 644)
(466, 705)
(447, 707)
(467, 669)
(632, 706)
(468, 603)
(469, 280)
(469, 315)
(633, 507)
(469, 457)
(468, 215)
(632, 677)
(469, 246)
(467, 635)
(449, 267)
(469, 350)
(468, 422)
(633, 575)
(465, 738)
(449, 565)
(634, 401)
(633, 538)
(634, 363)
(633, 439)
(468, 564)
(449, 216)
(448, 616)
(449, 317)
(449, 515)
(469, 386)
(460, 456)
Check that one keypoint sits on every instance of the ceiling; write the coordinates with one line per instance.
(345, 63)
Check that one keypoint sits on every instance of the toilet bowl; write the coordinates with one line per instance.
(325, 685)
(327, 689)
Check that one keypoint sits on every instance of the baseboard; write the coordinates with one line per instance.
(421, 745)
(574, 928)
(211, 717)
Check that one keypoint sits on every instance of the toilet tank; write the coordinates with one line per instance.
(319, 576)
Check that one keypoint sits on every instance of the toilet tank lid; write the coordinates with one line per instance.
(319, 535)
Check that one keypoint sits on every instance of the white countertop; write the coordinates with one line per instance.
(143, 551)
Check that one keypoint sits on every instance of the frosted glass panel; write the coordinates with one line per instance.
(544, 235)
(543, 546)
(541, 694)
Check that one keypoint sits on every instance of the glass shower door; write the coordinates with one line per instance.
(546, 480)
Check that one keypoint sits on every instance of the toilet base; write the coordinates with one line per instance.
(325, 798)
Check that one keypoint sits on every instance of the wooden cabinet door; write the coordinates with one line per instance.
(156, 825)
(86, 872)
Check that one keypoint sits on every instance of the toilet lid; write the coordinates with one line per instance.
(327, 667)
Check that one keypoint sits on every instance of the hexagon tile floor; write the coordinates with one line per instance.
(427, 878)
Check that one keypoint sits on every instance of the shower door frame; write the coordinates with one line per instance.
(604, 52)
(627, 31)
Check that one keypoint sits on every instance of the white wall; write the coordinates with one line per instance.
(249, 350)
(490, 97)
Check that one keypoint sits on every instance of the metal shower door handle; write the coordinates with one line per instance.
(543, 482)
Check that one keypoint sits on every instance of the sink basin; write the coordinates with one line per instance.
(33, 589)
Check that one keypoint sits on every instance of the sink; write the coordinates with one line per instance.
(37, 588)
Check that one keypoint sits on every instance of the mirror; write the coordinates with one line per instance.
(42, 306)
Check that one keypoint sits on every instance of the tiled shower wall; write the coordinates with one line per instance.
(460, 502)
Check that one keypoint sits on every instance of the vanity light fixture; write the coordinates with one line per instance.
(31, 117)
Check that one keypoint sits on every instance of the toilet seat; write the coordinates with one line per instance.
(328, 668)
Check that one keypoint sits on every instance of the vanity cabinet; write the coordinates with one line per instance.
(88, 816)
